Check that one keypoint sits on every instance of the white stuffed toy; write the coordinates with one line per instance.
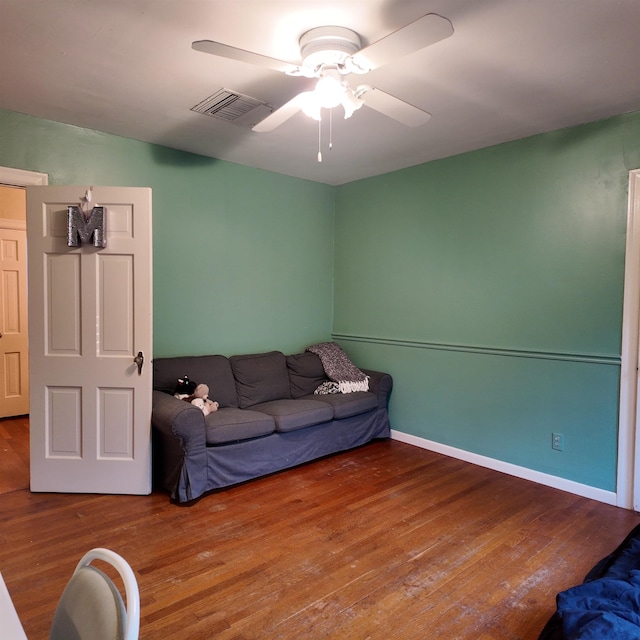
(200, 398)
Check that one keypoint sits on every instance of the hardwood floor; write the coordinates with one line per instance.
(387, 542)
(14, 454)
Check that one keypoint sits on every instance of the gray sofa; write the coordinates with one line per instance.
(269, 419)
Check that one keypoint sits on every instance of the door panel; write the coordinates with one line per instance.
(63, 435)
(115, 300)
(62, 324)
(90, 315)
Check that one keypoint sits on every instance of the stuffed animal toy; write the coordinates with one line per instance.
(201, 399)
(184, 387)
(198, 396)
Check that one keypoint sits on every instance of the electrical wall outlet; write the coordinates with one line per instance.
(557, 441)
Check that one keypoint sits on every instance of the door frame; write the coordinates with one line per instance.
(22, 178)
(628, 476)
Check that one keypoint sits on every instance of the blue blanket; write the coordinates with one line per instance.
(607, 606)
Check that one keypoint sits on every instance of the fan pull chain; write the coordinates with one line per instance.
(330, 129)
(320, 134)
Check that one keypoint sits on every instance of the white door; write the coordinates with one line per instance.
(14, 343)
(89, 315)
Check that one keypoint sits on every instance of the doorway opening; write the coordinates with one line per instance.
(15, 432)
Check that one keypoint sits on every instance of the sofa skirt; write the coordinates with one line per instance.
(237, 462)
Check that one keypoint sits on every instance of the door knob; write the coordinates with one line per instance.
(139, 361)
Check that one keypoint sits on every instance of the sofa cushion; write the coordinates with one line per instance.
(233, 424)
(214, 371)
(306, 373)
(260, 377)
(346, 405)
(290, 415)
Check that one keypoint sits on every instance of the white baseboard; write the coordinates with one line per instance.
(608, 497)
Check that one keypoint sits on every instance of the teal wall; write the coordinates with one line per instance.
(243, 258)
(490, 285)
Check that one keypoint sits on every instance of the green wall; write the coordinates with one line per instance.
(490, 285)
(243, 258)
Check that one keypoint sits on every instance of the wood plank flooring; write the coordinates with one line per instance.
(387, 542)
(14, 454)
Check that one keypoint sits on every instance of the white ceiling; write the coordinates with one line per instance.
(512, 68)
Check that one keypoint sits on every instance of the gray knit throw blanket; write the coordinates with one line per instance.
(339, 369)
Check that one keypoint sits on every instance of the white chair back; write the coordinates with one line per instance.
(91, 606)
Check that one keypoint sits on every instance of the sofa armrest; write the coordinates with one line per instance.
(180, 447)
(381, 384)
(179, 419)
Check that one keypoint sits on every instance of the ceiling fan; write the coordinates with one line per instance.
(331, 54)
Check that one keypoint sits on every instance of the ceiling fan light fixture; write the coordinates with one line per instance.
(330, 53)
(329, 90)
(350, 103)
(328, 46)
(309, 105)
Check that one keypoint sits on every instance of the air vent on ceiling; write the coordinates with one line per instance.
(234, 107)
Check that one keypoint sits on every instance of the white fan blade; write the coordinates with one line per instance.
(233, 53)
(286, 111)
(392, 107)
(417, 35)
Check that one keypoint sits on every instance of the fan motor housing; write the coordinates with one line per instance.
(328, 46)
